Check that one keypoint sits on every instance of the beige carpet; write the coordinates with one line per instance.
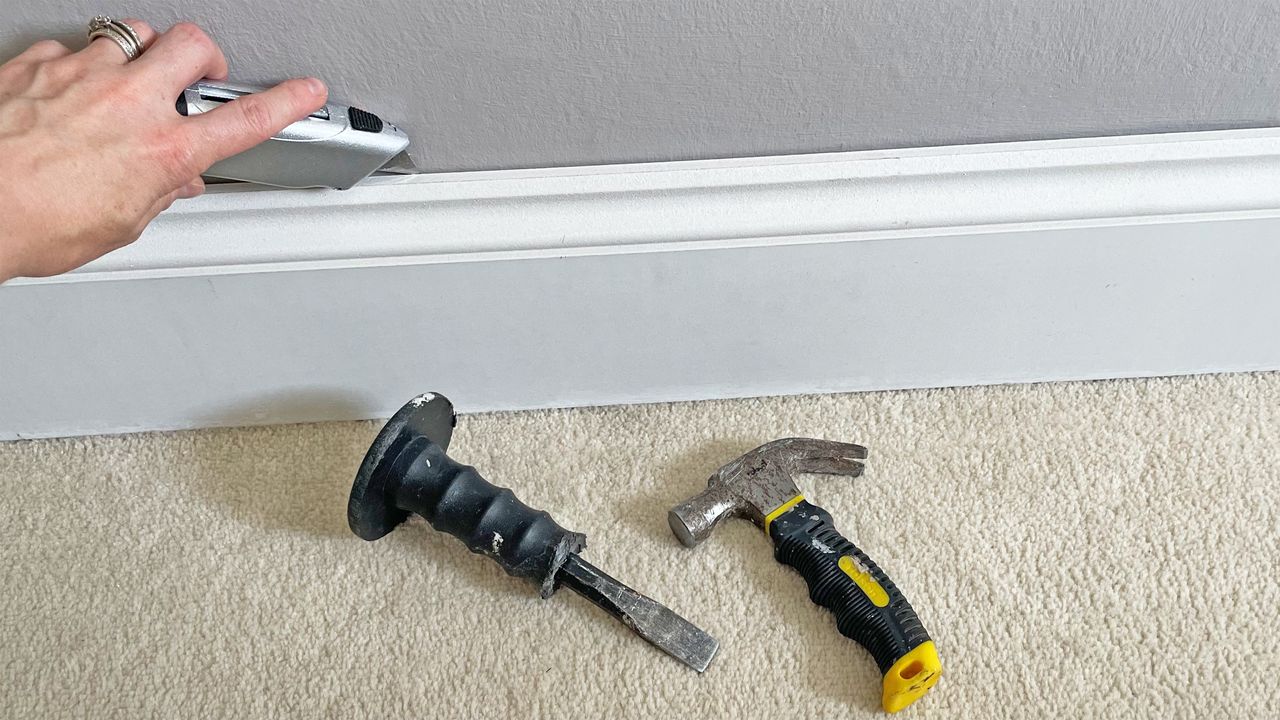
(1077, 550)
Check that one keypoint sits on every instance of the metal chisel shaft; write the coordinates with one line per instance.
(646, 617)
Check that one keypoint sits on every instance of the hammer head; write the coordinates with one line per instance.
(760, 482)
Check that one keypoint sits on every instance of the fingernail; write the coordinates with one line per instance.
(316, 86)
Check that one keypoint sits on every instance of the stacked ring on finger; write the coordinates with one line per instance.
(118, 31)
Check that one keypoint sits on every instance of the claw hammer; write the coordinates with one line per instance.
(869, 608)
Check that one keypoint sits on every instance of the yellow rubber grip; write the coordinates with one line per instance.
(867, 584)
(773, 514)
(911, 676)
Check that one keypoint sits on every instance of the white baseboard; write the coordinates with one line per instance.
(1017, 262)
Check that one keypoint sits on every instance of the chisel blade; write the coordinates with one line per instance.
(646, 617)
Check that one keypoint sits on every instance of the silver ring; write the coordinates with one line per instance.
(119, 32)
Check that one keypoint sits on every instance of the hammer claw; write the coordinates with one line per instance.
(828, 457)
(829, 466)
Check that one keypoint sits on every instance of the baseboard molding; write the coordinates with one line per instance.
(1017, 262)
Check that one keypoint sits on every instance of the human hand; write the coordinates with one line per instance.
(92, 147)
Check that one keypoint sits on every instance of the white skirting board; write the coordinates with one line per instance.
(1016, 262)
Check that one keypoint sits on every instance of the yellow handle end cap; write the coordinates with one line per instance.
(911, 676)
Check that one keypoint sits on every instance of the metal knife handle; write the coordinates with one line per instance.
(337, 146)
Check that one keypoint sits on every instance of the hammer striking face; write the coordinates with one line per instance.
(869, 608)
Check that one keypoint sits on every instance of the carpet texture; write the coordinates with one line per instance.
(1077, 550)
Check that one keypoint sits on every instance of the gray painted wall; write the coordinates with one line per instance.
(523, 83)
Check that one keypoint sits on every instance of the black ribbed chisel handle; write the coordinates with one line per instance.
(869, 608)
(488, 519)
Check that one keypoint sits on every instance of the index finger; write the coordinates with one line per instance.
(251, 119)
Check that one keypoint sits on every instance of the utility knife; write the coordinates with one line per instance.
(336, 146)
